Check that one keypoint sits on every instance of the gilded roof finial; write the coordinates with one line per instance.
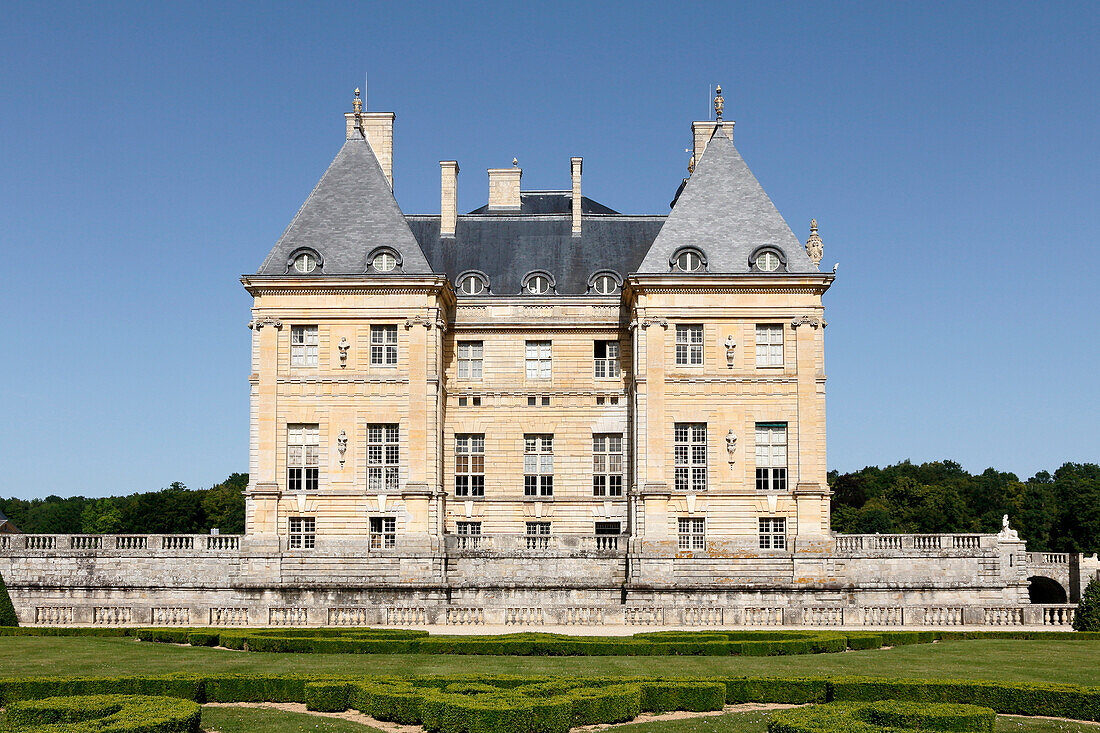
(719, 105)
(814, 248)
(357, 105)
(515, 162)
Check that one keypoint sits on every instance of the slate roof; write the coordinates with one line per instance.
(350, 212)
(534, 203)
(723, 211)
(507, 247)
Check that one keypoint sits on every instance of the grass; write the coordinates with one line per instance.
(249, 720)
(1071, 662)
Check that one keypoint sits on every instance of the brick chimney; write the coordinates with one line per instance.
(377, 129)
(504, 187)
(702, 131)
(448, 203)
(575, 165)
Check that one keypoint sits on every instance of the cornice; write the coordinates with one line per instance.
(345, 285)
(808, 284)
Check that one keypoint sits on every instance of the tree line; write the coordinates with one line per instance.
(1057, 512)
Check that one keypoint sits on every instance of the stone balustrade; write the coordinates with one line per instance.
(870, 544)
(145, 545)
(536, 544)
(1048, 558)
(1059, 615)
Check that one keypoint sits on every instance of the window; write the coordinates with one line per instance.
(383, 457)
(767, 261)
(773, 533)
(470, 354)
(538, 535)
(691, 535)
(384, 262)
(605, 284)
(303, 346)
(689, 345)
(383, 345)
(470, 465)
(464, 401)
(607, 535)
(383, 533)
(305, 262)
(688, 260)
(606, 357)
(771, 456)
(607, 465)
(469, 534)
(769, 345)
(303, 453)
(535, 401)
(607, 400)
(538, 285)
(538, 359)
(471, 284)
(608, 528)
(302, 533)
(538, 465)
(690, 451)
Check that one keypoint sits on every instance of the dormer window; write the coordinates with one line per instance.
(604, 283)
(538, 282)
(384, 259)
(688, 259)
(473, 283)
(304, 261)
(767, 259)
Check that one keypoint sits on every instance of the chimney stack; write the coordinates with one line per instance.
(377, 129)
(504, 187)
(575, 165)
(448, 204)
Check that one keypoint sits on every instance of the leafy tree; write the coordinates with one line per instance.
(101, 516)
(1087, 617)
(7, 610)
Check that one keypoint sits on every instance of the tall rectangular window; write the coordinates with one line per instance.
(538, 535)
(689, 345)
(605, 355)
(538, 465)
(690, 456)
(303, 457)
(383, 345)
(773, 533)
(469, 535)
(303, 346)
(383, 533)
(769, 345)
(383, 457)
(771, 456)
(302, 533)
(607, 464)
(537, 359)
(470, 355)
(470, 465)
(690, 535)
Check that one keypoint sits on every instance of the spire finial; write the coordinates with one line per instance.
(814, 248)
(515, 162)
(357, 105)
(719, 105)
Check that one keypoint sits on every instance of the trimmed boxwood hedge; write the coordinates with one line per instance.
(115, 713)
(884, 715)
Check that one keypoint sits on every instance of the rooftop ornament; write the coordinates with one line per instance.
(719, 105)
(357, 105)
(814, 248)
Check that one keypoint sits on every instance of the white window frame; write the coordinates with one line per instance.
(538, 285)
(471, 285)
(538, 535)
(607, 464)
(773, 533)
(538, 359)
(686, 257)
(605, 284)
(769, 345)
(383, 457)
(469, 465)
(384, 261)
(691, 533)
(303, 346)
(606, 366)
(689, 440)
(471, 359)
(301, 533)
(382, 533)
(538, 464)
(303, 457)
(689, 345)
(771, 456)
(383, 345)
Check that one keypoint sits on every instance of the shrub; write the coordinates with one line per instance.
(883, 715)
(1087, 617)
(7, 610)
(116, 713)
(327, 697)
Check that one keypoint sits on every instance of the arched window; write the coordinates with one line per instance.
(688, 259)
(605, 282)
(768, 259)
(538, 282)
(303, 261)
(384, 259)
(473, 282)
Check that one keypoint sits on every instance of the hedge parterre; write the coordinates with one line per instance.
(884, 716)
(105, 713)
(548, 704)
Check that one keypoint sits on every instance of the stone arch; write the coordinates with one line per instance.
(1042, 589)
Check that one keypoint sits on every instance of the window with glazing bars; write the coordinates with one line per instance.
(773, 533)
(605, 355)
(689, 345)
(690, 456)
(383, 457)
(303, 346)
(691, 536)
(302, 533)
(383, 345)
(769, 345)
(607, 464)
(470, 465)
(470, 355)
(538, 465)
(383, 533)
(771, 456)
(538, 535)
(303, 453)
(537, 359)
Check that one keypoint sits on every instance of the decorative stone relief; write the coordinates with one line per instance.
(343, 346)
(810, 321)
(1007, 533)
(258, 323)
(731, 446)
(342, 445)
(647, 322)
(730, 345)
(814, 247)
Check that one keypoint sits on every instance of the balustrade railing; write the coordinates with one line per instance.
(869, 543)
(567, 543)
(1060, 615)
(106, 543)
(1047, 558)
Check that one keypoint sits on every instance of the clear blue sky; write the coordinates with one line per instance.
(151, 153)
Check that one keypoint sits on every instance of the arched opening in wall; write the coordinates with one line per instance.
(1045, 590)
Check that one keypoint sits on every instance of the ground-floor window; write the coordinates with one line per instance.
(538, 535)
(383, 533)
(302, 533)
(773, 533)
(691, 535)
(469, 534)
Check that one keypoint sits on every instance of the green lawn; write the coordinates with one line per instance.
(250, 720)
(1067, 661)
